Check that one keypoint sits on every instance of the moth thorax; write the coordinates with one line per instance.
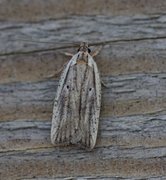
(82, 56)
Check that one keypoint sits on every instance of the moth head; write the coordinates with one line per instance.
(83, 52)
(84, 47)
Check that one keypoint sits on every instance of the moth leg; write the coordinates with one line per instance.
(68, 54)
(97, 51)
(61, 69)
(57, 72)
(104, 85)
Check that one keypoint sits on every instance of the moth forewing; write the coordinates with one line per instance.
(77, 104)
(97, 87)
(55, 118)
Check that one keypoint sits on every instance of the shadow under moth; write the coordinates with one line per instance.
(77, 103)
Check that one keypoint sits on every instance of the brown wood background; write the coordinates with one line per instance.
(131, 142)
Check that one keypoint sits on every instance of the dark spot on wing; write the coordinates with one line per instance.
(89, 51)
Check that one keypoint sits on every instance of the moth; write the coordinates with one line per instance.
(77, 103)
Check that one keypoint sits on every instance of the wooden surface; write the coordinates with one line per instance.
(131, 141)
(34, 10)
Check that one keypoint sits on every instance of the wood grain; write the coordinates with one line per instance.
(131, 142)
(137, 131)
(140, 47)
(125, 95)
(29, 10)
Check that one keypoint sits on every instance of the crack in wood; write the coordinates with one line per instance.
(90, 44)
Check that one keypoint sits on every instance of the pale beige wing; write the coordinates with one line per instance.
(90, 105)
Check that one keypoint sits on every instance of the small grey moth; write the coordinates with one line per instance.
(77, 103)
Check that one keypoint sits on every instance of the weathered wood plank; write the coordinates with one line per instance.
(123, 133)
(125, 95)
(30, 10)
(97, 178)
(90, 28)
(67, 162)
(115, 58)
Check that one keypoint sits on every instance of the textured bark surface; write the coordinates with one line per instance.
(131, 142)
